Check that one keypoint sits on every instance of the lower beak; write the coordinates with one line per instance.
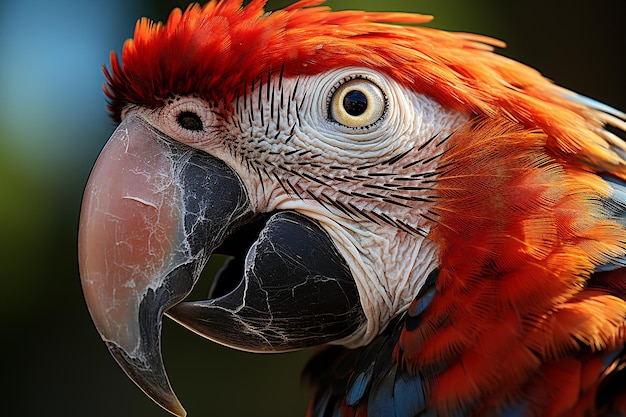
(152, 213)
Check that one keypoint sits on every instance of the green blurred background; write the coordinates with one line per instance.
(53, 123)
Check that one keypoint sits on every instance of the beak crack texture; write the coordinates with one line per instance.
(296, 291)
(153, 212)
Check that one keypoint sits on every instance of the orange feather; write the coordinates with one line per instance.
(520, 219)
(217, 50)
(521, 232)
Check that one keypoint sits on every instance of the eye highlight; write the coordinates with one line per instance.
(357, 103)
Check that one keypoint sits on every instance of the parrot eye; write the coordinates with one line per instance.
(190, 121)
(357, 103)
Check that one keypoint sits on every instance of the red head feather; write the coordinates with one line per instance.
(217, 50)
(526, 247)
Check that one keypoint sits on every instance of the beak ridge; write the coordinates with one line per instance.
(152, 213)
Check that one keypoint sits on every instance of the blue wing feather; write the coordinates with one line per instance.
(375, 380)
(615, 206)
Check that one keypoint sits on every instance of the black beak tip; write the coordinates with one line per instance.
(148, 372)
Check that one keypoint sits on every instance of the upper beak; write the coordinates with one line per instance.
(153, 212)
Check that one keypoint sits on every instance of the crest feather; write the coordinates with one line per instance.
(218, 50)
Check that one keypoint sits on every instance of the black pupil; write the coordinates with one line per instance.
(355, 103)
(190, 121)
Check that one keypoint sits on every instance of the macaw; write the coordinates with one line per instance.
(445, 222)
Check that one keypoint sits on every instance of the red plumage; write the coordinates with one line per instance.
(529, 208)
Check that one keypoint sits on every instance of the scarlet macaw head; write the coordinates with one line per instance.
(328, 136)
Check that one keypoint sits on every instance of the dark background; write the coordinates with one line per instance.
(53, 123)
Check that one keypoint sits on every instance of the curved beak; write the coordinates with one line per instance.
(152, 213)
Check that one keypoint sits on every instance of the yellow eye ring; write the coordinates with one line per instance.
(357, 103)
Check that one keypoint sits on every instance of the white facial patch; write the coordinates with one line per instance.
(366, 181)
